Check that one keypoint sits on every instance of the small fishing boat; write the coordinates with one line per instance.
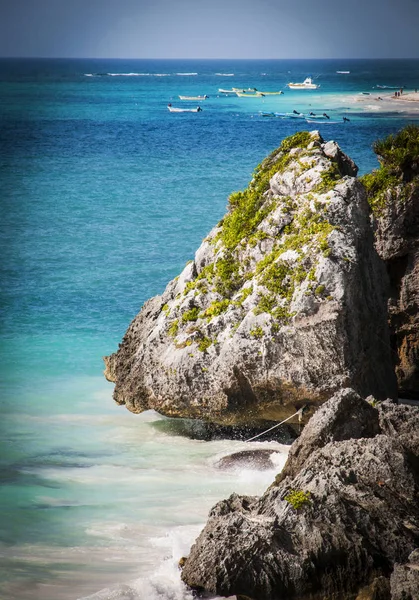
(271, 93)
(307, 84)
(244, 90)
(193, 97)
(232, 91)
(174, 109)
(250, 95)
(343, 72)
(267, 114)
(322, 122)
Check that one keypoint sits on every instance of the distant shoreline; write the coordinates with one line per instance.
(384, 102)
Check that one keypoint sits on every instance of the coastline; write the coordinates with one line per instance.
(406, 104)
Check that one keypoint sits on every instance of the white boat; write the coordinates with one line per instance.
(271, 93)
(193, 97)
(343, 72)
(232, 91)
(250, 95)
(174, 109)
(307, 84)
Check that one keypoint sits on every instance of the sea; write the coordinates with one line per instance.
(105, 195)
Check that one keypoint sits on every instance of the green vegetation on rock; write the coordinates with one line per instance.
(204, 344)
(216, 308)
(248, 208)
(190, 315)
(399, 164)
(298, 498)
(304, 239)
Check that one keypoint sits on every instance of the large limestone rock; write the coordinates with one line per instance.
(283, 304)
(343, 520)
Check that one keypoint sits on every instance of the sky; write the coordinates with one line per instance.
(210, 28)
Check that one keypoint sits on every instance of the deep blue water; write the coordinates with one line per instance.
(105, 195)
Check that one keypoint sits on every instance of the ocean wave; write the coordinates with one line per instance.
(225, 74)
(128, 74)
(187, 74)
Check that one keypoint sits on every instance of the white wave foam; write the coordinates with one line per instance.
(187, 74)
(225, 74)
(165, 582)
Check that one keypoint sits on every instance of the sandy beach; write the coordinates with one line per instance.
(407, 103)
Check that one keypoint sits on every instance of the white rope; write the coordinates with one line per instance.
(300, 412)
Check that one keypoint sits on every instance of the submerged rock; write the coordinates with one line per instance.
(346, 518)
(283, 304)
(253, 459)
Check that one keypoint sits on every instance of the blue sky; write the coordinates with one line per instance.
(210, 28)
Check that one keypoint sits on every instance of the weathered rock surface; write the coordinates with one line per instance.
(393, 192)
(397, 242)
(345, 416)
(405, 579)
(283, 304)
(345, 520)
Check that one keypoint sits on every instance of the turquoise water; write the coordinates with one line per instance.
(105, 195)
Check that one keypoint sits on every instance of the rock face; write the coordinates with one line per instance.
(343, 417)
(393, 192)
(283, 304)
(397, 242)
(344, 519)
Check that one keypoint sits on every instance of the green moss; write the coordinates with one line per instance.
(319, 290)
(190, 315)
(274, 278)
(216, 308)
(227, 278)
(204, 344)
(257, 332)
(207, 274)
(266, 304)
(258, 236)
(377, 183)
(328, 179)
(166, 309)
(174, 328)
(298, 498)
(248, 208)
(282, 314)
(245, 293)
(301, 139)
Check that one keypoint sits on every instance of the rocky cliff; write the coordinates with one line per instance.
(283, 304)
(342, 520)
(393, 191)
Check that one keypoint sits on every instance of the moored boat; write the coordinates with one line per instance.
(175, 109)
(193, 97)
(250, 95)
(307, 84)
(271, 93)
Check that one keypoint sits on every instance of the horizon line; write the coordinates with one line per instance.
(198, 58)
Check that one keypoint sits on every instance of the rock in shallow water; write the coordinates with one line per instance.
(283, 304)
(251, 459)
